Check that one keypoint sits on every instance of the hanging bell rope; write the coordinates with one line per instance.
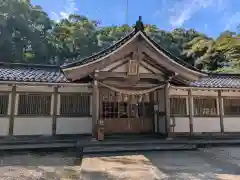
(132, 92)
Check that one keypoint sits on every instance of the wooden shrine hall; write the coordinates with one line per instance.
(134, 86)
(138, 87)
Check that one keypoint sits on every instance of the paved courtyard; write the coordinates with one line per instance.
(209, 164)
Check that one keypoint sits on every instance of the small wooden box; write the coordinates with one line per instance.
(100, 134)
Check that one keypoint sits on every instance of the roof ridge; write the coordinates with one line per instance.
(224, 74)
(29, 65)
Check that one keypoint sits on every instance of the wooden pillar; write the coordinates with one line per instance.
(156, 110)
(167, 109)
(221, 110)
(12, 110)
(190, 110)
(95, 107)
(54, 110)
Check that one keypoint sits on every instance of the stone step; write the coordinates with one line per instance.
(140, 147)
(37, 146)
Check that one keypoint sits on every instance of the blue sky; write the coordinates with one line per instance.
(208, 16)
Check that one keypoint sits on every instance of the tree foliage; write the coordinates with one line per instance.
(28, 35)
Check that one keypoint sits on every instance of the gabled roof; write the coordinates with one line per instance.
(31, 73)
(166, 59)
(119, 43)
(205, 80)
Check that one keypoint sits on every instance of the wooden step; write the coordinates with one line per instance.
(37, 146)
(136, 147)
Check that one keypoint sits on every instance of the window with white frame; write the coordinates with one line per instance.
(75, 104)
(231, 105)
(4, 100)
(34, 104)
(205, 106)
(178, 105)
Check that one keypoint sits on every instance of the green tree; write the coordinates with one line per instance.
(23, 29)
(78, 37)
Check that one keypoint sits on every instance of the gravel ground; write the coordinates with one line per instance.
(205, 164)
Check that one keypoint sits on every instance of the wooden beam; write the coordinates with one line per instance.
(156, 104)
(95, 107)
(79, 72)
(104, 75)
(221, 110)
(205, 88)
(126, 84)
(154, 64)
(54, 113)
(151, 76)
(167, 109)
(147, 68)
(190, 110)
(125, 61)
(172, 66)
(12, 110)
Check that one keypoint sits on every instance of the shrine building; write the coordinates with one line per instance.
(132, 87)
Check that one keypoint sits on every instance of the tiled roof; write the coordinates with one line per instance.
(31, 73)
(54, 74)
(218, 81)
(122, 41)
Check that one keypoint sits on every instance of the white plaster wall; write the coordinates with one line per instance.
(25, 88)
(206, 124)
(81, 125)
(178, 92)
(4, 126)
(204, 93)
(32, 126)
(181, 124)
(231, 124)
(82, 88)
(230, 93)
(5, 88)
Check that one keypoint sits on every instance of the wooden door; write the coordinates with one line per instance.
(125, 115)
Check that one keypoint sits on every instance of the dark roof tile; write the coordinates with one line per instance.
(218, 81)
(31, 73)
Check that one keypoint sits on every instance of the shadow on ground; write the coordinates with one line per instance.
(208, 164)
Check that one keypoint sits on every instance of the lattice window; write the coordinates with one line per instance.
(115, 105)
(4, 99)
(110, 110)
(231, 106)
(75, 105)
(205, 106)
(178, 105)
(34, 104)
